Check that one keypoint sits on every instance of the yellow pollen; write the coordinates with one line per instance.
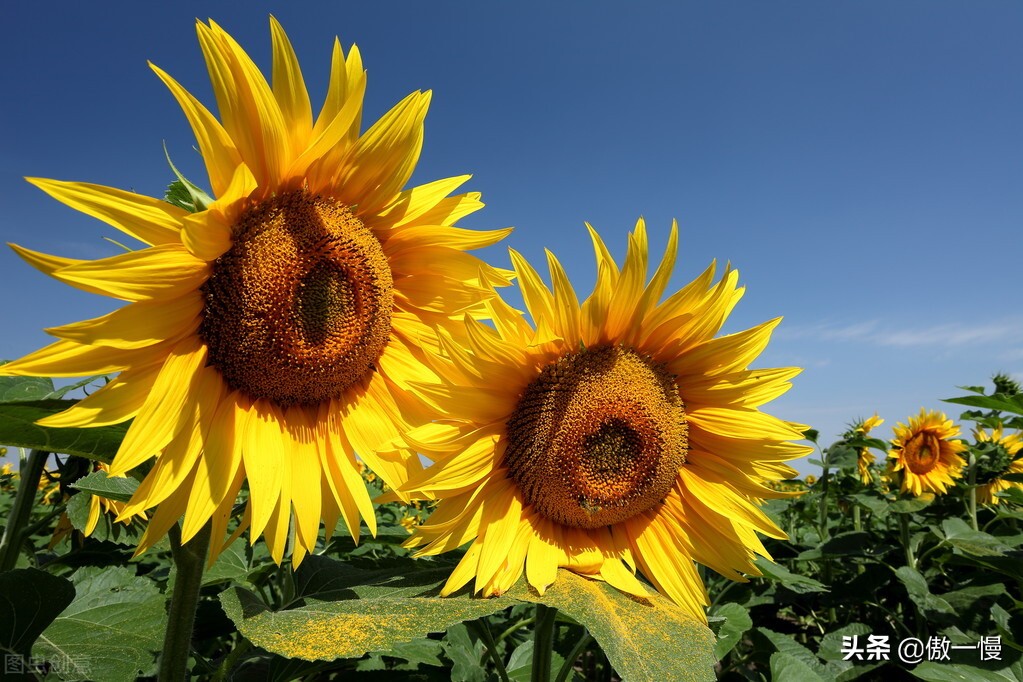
(597, 437)
(299, 309)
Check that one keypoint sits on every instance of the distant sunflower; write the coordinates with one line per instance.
(1013, 446)
(865, 459)
(925, 454)
(270, 336)
(619, 434)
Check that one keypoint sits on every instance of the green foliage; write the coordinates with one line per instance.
(861, 560)
(884, 564)
(29, 601)
(18, 428)
(110, 631)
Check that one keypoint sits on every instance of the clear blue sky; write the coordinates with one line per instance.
(860, 163)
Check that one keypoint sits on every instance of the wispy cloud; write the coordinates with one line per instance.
(881, 333)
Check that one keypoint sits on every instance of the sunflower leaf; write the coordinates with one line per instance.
(18, 428)
(110, 630)
(737, 622)
(16, 389)
(644, 639)
(183, 193)
(98, 483)
(377, 610)
(29, 601)
(965, 539)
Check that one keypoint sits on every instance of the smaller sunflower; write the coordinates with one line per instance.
(1012, 444)
(614, 436)
(926, 454)
(866, 461)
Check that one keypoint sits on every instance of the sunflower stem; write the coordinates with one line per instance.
(14, 532)
(482, 630)
(971, 499)
(904, 536)
(569, 664)
(177, 644)
(543, 642)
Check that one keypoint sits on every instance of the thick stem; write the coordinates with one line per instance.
(543, 642)
(177, 643)
(31, 472)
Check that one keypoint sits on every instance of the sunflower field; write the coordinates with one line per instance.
(316, 442)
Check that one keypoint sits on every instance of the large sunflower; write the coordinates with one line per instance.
(618, 434)
(1012, 447)
(270, 336)
(926, 454)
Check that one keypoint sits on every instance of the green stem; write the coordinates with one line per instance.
(569, 664)
(229, 662)
(177, 643)
(513, 627)
(28, 486)
(904, 536)
(822, 526)
(482, 631)
(543, 642)
(971, 500)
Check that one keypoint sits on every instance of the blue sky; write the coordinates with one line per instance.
(860, 163)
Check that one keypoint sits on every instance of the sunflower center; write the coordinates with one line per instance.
(597, 437)
(922, 452)
(299, 309)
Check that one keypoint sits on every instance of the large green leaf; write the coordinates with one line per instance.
(15, 389)
(998, 401)
(110, 631)
(29, 601)
(375, 610)
(98, 483)
(918, 591)
(954, 672)
(797, 583)
(961, 536)
(736, 623)
(18, 428)
(644, 639)
(787, 667)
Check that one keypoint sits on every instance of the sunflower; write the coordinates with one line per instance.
(865, 459)
(1012, 445)
(925, 454)
(617, 435)
(271, 335)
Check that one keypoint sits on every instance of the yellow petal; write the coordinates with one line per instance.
(215, 146)
(167, 408)
(249, 112)
(289, 88)
(149, 220)
(137, 325)
(159, 272)
(263, 455)
(119, 400)
(70, 359)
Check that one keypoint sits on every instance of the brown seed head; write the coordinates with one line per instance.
(299, 309)
(597, 437)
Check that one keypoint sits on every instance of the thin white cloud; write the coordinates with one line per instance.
(878, 333)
